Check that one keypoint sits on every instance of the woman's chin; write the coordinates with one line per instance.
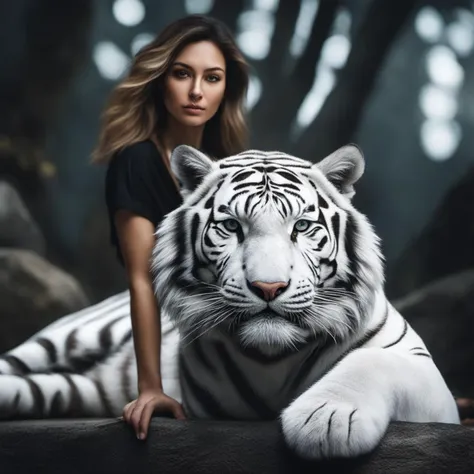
(193, 121)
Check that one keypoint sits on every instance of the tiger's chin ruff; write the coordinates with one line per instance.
(271, 335)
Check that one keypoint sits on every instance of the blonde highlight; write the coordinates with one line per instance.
(135, 111)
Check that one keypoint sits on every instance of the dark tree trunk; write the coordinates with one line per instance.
(284, 105)
(228, 12)
(272, 70)
(51, 53)
(49, 42)
(338, 119)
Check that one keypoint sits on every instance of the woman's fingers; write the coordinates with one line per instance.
(127, 409)
(177, 410)
(145, 418)
(136, 416)
(138, 413)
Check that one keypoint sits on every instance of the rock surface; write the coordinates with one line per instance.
(33, 293)
(188, 447)
(443, 315)
(17, 226)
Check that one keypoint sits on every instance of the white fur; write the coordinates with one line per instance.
(354, 387)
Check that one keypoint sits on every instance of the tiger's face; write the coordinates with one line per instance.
(268, 248)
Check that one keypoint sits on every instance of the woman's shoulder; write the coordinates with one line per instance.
(137, 157)
(144, 150)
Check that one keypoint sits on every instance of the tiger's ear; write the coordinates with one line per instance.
(343, 168)
(190, 166)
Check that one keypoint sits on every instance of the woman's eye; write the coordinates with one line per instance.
(181, 73)
(231, 225)
(213, 78)
(302, 225)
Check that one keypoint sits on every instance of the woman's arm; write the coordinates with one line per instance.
(136, 238)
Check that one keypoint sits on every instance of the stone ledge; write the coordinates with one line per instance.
(188, 447)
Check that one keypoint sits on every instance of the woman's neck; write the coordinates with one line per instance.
(178, 134)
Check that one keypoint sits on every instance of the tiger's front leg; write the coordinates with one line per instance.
(347, 412)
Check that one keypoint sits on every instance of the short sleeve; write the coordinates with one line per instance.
(138, 181)
(129, 183)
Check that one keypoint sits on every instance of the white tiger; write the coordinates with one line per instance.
(273, 307)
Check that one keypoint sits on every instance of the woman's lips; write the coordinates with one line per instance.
(192, 110)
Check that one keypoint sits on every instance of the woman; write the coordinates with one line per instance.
(186, 87)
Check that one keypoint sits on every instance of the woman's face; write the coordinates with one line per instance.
(195, 84)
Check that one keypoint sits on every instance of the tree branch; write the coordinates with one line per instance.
(337, 121)
(296, 85)
(285, 25)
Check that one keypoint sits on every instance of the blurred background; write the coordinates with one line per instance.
(394, 76)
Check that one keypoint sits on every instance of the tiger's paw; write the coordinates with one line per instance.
(323, 425)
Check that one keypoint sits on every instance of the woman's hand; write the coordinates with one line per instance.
(466, 410)
(138, 412)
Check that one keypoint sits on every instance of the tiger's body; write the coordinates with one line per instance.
(271, 290)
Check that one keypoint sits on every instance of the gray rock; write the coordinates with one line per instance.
(17, 227)
(443, 315)
(192, 447)
(33, 293)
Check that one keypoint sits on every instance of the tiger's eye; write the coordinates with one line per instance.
(302, 225)
(231, 225)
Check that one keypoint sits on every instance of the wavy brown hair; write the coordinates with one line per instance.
(135, 110)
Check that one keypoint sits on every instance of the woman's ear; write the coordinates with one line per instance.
(190, 166)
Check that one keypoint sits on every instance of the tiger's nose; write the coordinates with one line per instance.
(268, 291)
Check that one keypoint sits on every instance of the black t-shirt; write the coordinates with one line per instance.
(138, 181)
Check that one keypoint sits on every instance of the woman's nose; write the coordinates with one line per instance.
(195, 93)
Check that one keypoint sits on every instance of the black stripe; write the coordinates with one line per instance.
(313, 413)
(104, 398)
(209, 203)
(370, 334)
(251, 185)
(405, 329)
(126, 385)
(39, 403)
(57, 405)
(366, 338)
(241, 175)
(291, 193)
(350, 243)
(329, 424)
(70, 345)
(105, 339)
(424, 354)
(289, 176)
(322, 202)
(322, 243)
(287, 186)
(50, 349)
(336, 227)
(243, 387)
(350, 425)
(212, 407)
(76, 406)
(18, 365)
(128, 335)
(308, 365)
(194, 241)
(180, 240)
(14, 410)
